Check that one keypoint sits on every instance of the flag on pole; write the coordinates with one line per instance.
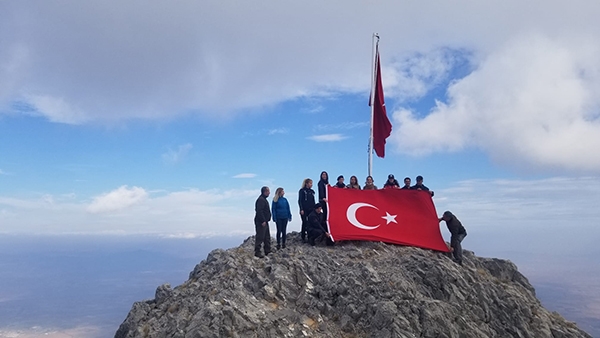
(382, 128)
(398, 216)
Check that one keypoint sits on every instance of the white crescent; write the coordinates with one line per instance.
(351, 215)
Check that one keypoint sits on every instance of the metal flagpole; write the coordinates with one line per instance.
(375, 43)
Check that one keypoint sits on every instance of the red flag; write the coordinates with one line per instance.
(382, 128)
(399, 216)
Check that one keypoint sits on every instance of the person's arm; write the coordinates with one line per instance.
(274, 210)
(302, 192)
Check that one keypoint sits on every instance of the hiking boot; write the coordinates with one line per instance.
(259, 255)
(279, 246)
(267, 252)
(283, 246)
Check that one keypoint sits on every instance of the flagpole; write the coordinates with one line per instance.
(375, 42)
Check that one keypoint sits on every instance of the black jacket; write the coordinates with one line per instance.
(306, 200)
(455, 226)
(263, 212)
(322, 190)
(422, 187)
(315, 221)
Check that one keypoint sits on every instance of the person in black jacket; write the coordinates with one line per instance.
(458, 234)
(306, 202)
(315, 225)
(323, 183)
(406, 183)
(420, 186)
(340, 182)
(261, 223)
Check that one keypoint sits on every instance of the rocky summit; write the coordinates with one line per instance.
(352, 289)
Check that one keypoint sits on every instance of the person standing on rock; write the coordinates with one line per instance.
(281, 216)
(458, 234)
(315, 225)
(306, 202)
(261, 223)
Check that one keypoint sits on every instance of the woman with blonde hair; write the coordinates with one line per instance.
(354, 183)
(280, 208)
(306, 202)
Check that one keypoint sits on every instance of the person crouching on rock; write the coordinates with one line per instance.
(315, 225)
(458, 234)
(261, 223)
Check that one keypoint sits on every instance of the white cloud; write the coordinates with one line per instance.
(175, 156)
(118, 199)
(342, 126)
(130, 210)
(278, 131)
(162, 60)
(245, 175)
(414, 76)
(327, 138)
(523, 206)
(534, 102)
(3, 172)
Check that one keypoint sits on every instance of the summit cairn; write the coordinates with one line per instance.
(354, 289)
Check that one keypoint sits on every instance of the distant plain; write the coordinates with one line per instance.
(64, 286)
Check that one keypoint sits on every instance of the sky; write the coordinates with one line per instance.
(154, 117)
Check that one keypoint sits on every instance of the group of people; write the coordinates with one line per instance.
(313, 214)
(391, 183)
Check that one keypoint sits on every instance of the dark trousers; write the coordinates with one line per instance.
(314, 234)
(304, 227)
(456, 246)
(281, 230)
(263, 236)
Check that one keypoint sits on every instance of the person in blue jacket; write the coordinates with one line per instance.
(280, 208)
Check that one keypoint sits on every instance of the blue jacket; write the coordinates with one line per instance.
(281, 209)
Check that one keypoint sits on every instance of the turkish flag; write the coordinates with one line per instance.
(398, 216)
(382, 127)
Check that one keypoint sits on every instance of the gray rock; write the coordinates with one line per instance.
(354, 289)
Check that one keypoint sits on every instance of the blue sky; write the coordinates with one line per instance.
(167, 119)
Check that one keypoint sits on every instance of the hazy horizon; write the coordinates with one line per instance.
(64, 285)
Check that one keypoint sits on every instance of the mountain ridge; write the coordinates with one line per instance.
(353, 289)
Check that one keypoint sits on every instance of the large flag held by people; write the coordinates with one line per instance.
(382, 128)
(398, 216)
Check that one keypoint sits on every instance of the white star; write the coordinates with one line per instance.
(389, 218)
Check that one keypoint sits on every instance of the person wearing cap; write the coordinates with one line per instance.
(315, 225)
(458, 233)
(420, 186)
(391, 183)
(261, 223)
(406, 183)
(340, 182)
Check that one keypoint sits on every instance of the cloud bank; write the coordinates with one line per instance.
(118, 199)
(535, 102)
(530, 97)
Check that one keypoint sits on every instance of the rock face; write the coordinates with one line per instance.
(354, 289)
